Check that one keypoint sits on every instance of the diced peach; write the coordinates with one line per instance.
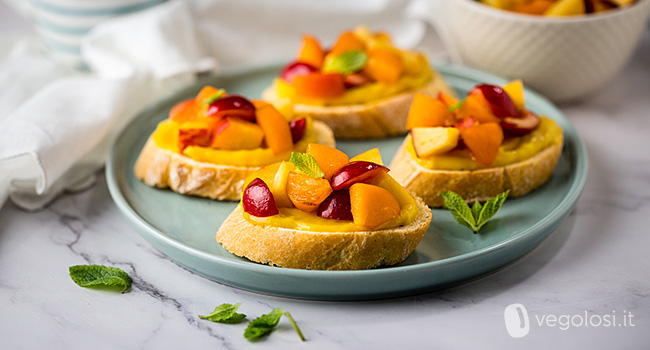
(205, 94)
(462, 124)
(347, 41)
(184, 111)
(311, 52)
(427, 111)
(384, 65)
(194, 134)
(329, 159)
(515, 89)
(276, 129)
(475, 105)
(483, 141)
(448, 100)
(372, 205)
(319, 85)
(371, 155)
(233, 133)
(267, 173)
(306, 192)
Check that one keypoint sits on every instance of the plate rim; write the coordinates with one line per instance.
(555, 217)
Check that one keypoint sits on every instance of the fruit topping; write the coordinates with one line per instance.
(499, 101)
(311, 52)
(320, 85)
(336, 206)
(184, 111)
(384, 65)
(329, 159)
(306, 192)
(297, 127)
(434, 141)
(356, 79)
(194, 134)
(483, 141)
(475, 105)
(278, 185)
(233, 133)
(515, 89)
(520, 126)
(355, 172)
(233, 106)
(463, 124)
(347, 41)
(276, 129)
(371, 205)
(427, 111)
(448, 100)
(371, 155)
(296, 69)
(258, 200)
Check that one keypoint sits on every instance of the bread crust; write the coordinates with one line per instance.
(299, 249)
(474, 185)
(380, 119)
(162, 168)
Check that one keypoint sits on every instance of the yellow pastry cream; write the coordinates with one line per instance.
(166, 137)
(512, 150)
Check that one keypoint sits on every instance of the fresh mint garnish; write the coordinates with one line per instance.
(217, 95)
(267, 323)
(306, 164)
(99, 275)
(456, 106)
(347, 62)
(478, 215)
(225, 313)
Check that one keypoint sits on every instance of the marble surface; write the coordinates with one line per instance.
(595, 264)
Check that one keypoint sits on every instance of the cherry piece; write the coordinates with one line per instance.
(337, 206)
(232, 105)
(258, 199)
(520, 126)
(354, 172)
(297, 127)
(296, 69)
(499, 100)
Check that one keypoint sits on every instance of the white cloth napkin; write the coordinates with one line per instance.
(57, 123)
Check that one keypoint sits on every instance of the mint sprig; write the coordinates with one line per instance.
(456, 106)
(306, 164)
(225, 313)
(478, 215)
(217, 95)
(347, 62)
(99, 275)
(267, 323)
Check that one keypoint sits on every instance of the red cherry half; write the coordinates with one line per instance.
(337, 206)
(232, 105)
(258, 199)
(500, 102)
(354, 172)
(297, 127)
(296, 69)
(520, 126)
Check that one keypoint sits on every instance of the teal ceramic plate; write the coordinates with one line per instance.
(183, 227)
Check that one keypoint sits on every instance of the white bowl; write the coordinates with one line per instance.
(565, 58)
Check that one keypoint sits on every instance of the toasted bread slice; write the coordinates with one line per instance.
(159, 167)
(380, 119)
(474, 185)
(322, 250)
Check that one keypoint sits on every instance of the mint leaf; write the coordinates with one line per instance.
(456, 106)
(295, 326)
(263, 325)
(347, 62)
(217, 95)
(225, 313)
(459, 209)
(478, 215)
(99, 275)
(490, 208)
(306, 164)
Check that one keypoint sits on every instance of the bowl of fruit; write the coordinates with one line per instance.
(565, 49)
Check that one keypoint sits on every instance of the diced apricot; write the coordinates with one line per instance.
(515, 89)
(276, 129)
(329, 159)
(475, 105)
(371, 155)
(233, 133)
(184, 111)
(462, 124)
(347, 41)
(448, 100)
(205, 94)
(384, 65)
(483, 141)
(306, 192)
(194, 134)
(259, 103)
(311, 52)
(266, 173)
(427, 111)
(372, 205)
(319, 85)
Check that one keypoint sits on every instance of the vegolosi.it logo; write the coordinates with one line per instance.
(518, 322)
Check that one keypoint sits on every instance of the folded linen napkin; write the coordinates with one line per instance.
(57, 123)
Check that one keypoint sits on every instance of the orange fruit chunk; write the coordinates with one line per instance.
(233, 133)
(483, 141)
(475, 105)
(372, 205)
(329, 159)
(319, 85)
(427, 111)
(276, 129)
(384, 65)
(306, 192)
(448, 100)
(184, 111)
(347, 41)
(311, 52)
